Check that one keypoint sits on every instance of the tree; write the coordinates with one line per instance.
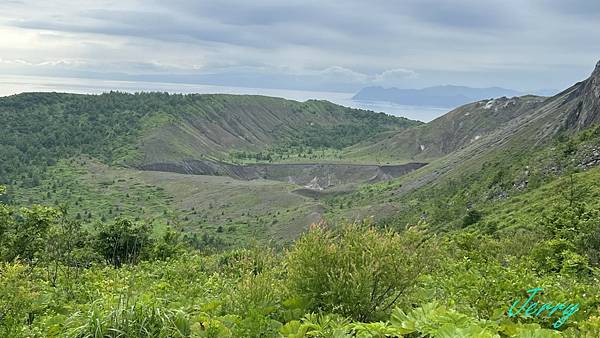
(23, 232)
(68, 248)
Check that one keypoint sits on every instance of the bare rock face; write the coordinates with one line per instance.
(583, 102)
(595, 81)
(592, 85)
(591, 99)
(313, 176)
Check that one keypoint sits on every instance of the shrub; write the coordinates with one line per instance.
(123, 241)
(17, 295)
(356, 271)
(473, 216)
(23, 231)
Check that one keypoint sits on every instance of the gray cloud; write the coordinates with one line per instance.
(464, 14)
(589, 8)
(335, 44)
(149, 25)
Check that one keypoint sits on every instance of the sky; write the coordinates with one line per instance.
(335, 46)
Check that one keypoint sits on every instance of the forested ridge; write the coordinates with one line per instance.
(41, 128)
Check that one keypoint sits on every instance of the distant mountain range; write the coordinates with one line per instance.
(438, 96)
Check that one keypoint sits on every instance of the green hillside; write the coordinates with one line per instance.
(558, 136)
(450, 132)
(500, 189)
(82, 151)
(131, 129)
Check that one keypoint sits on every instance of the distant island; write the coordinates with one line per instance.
(438, 96)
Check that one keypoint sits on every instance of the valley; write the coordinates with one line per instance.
(221, 169)
(270, 202)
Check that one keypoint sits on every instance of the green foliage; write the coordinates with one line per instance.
(169, 244)
(244, 293)
(342, 135)
(355, 271)
(551, 254)
(438, 321)
(338, 136)
(314, 325)
(429, 320)
(128, 321)
(123, 241)
(95, 191)
(23, 232)
(43, 127)
(473, 216)
(17, 299)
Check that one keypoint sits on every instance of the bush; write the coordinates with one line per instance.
(17, 296)
(123, 241)
(356, 271)
(23, 231)
(473, 216)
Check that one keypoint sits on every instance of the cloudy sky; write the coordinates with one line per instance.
(330, 45)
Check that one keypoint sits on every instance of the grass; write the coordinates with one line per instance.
(259, 209)
(97, 192)
(521, 210)
(510, 187)
(235, 212)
